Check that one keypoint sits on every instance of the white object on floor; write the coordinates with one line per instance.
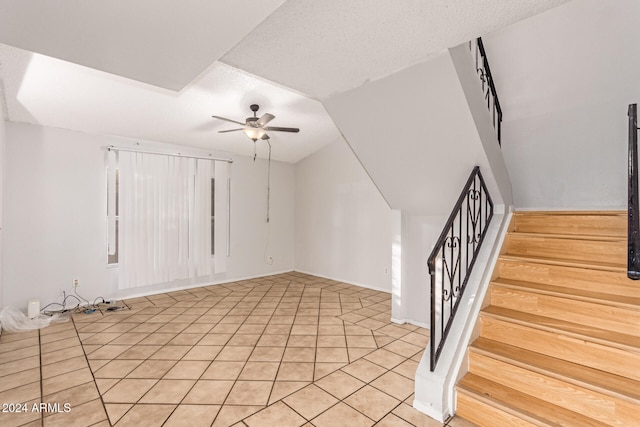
(14, 320)
(33, 308)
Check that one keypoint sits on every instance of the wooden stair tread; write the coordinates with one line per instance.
(569, 212)
(609, 338)
(583, 250)
(591, 223)
(593, 265)
(544, 357)
(603, 382)
(572, 293)
(564, 236)
(523, 405)
(570, 277)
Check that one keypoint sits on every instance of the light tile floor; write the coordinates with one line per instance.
(284, 350)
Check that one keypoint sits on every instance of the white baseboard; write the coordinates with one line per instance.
(411, 322)
(350, 282)
(429, 411)
(238, 279)
(199, 285)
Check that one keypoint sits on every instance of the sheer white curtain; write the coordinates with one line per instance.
(164, 222)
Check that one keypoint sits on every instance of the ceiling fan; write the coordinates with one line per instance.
(254, 127)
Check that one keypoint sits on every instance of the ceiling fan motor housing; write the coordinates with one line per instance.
(254, 127)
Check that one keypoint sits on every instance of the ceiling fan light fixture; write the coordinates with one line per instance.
(254, 133)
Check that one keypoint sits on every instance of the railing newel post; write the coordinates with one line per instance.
(633, 219)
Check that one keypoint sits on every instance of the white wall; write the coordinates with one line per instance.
(2, 173)
(574, 159)
(342, 223)
(415, 135)
(565, 79)
(419, 234)
(55, 208)
(498, 180)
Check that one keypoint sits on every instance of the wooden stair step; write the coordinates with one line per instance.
(586, 401)
(614, 300)
(518, 405)
(595, 314)
(602, 251)
(554, 342)
(572, 237)
(559, 342)
(588, 333)
(610, 384)
(578, 279)
(487, 414)
(602, 223)
(616, 267)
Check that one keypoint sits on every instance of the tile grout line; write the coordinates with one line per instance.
(400, 402)
(119, 379)
(95, 384)
(249, 290)
(210, 363)
(148, 358)
(41, 379)
(246, 292)
(285, 345)
(254, 347)
(281, 360)
(110, 360)
(200, 377)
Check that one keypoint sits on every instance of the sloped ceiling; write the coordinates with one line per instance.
(325, 47)
(158, 69)
(164, 43)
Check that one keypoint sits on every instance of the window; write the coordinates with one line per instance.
(163, 220)
(213, 216)
(112, 230)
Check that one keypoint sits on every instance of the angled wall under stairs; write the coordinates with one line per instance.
(559, 338)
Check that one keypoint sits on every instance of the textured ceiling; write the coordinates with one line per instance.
(44, 90)
(165, 43)
(329, 46)
(158, 69)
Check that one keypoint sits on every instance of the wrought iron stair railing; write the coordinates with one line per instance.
(488, 87)
(454, 255)
(633, 239)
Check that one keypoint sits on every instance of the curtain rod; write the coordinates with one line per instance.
(111, 147)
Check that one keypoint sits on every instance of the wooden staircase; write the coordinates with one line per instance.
(559, 340)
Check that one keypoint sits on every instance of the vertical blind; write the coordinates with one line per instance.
(164, 221)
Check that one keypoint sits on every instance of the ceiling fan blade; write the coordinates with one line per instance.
(228, 120)
(279, 129)
(266, 118)
(229, 130)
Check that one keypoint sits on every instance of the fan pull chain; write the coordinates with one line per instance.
(268, 180)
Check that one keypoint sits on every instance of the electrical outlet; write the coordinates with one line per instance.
(76, 282)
